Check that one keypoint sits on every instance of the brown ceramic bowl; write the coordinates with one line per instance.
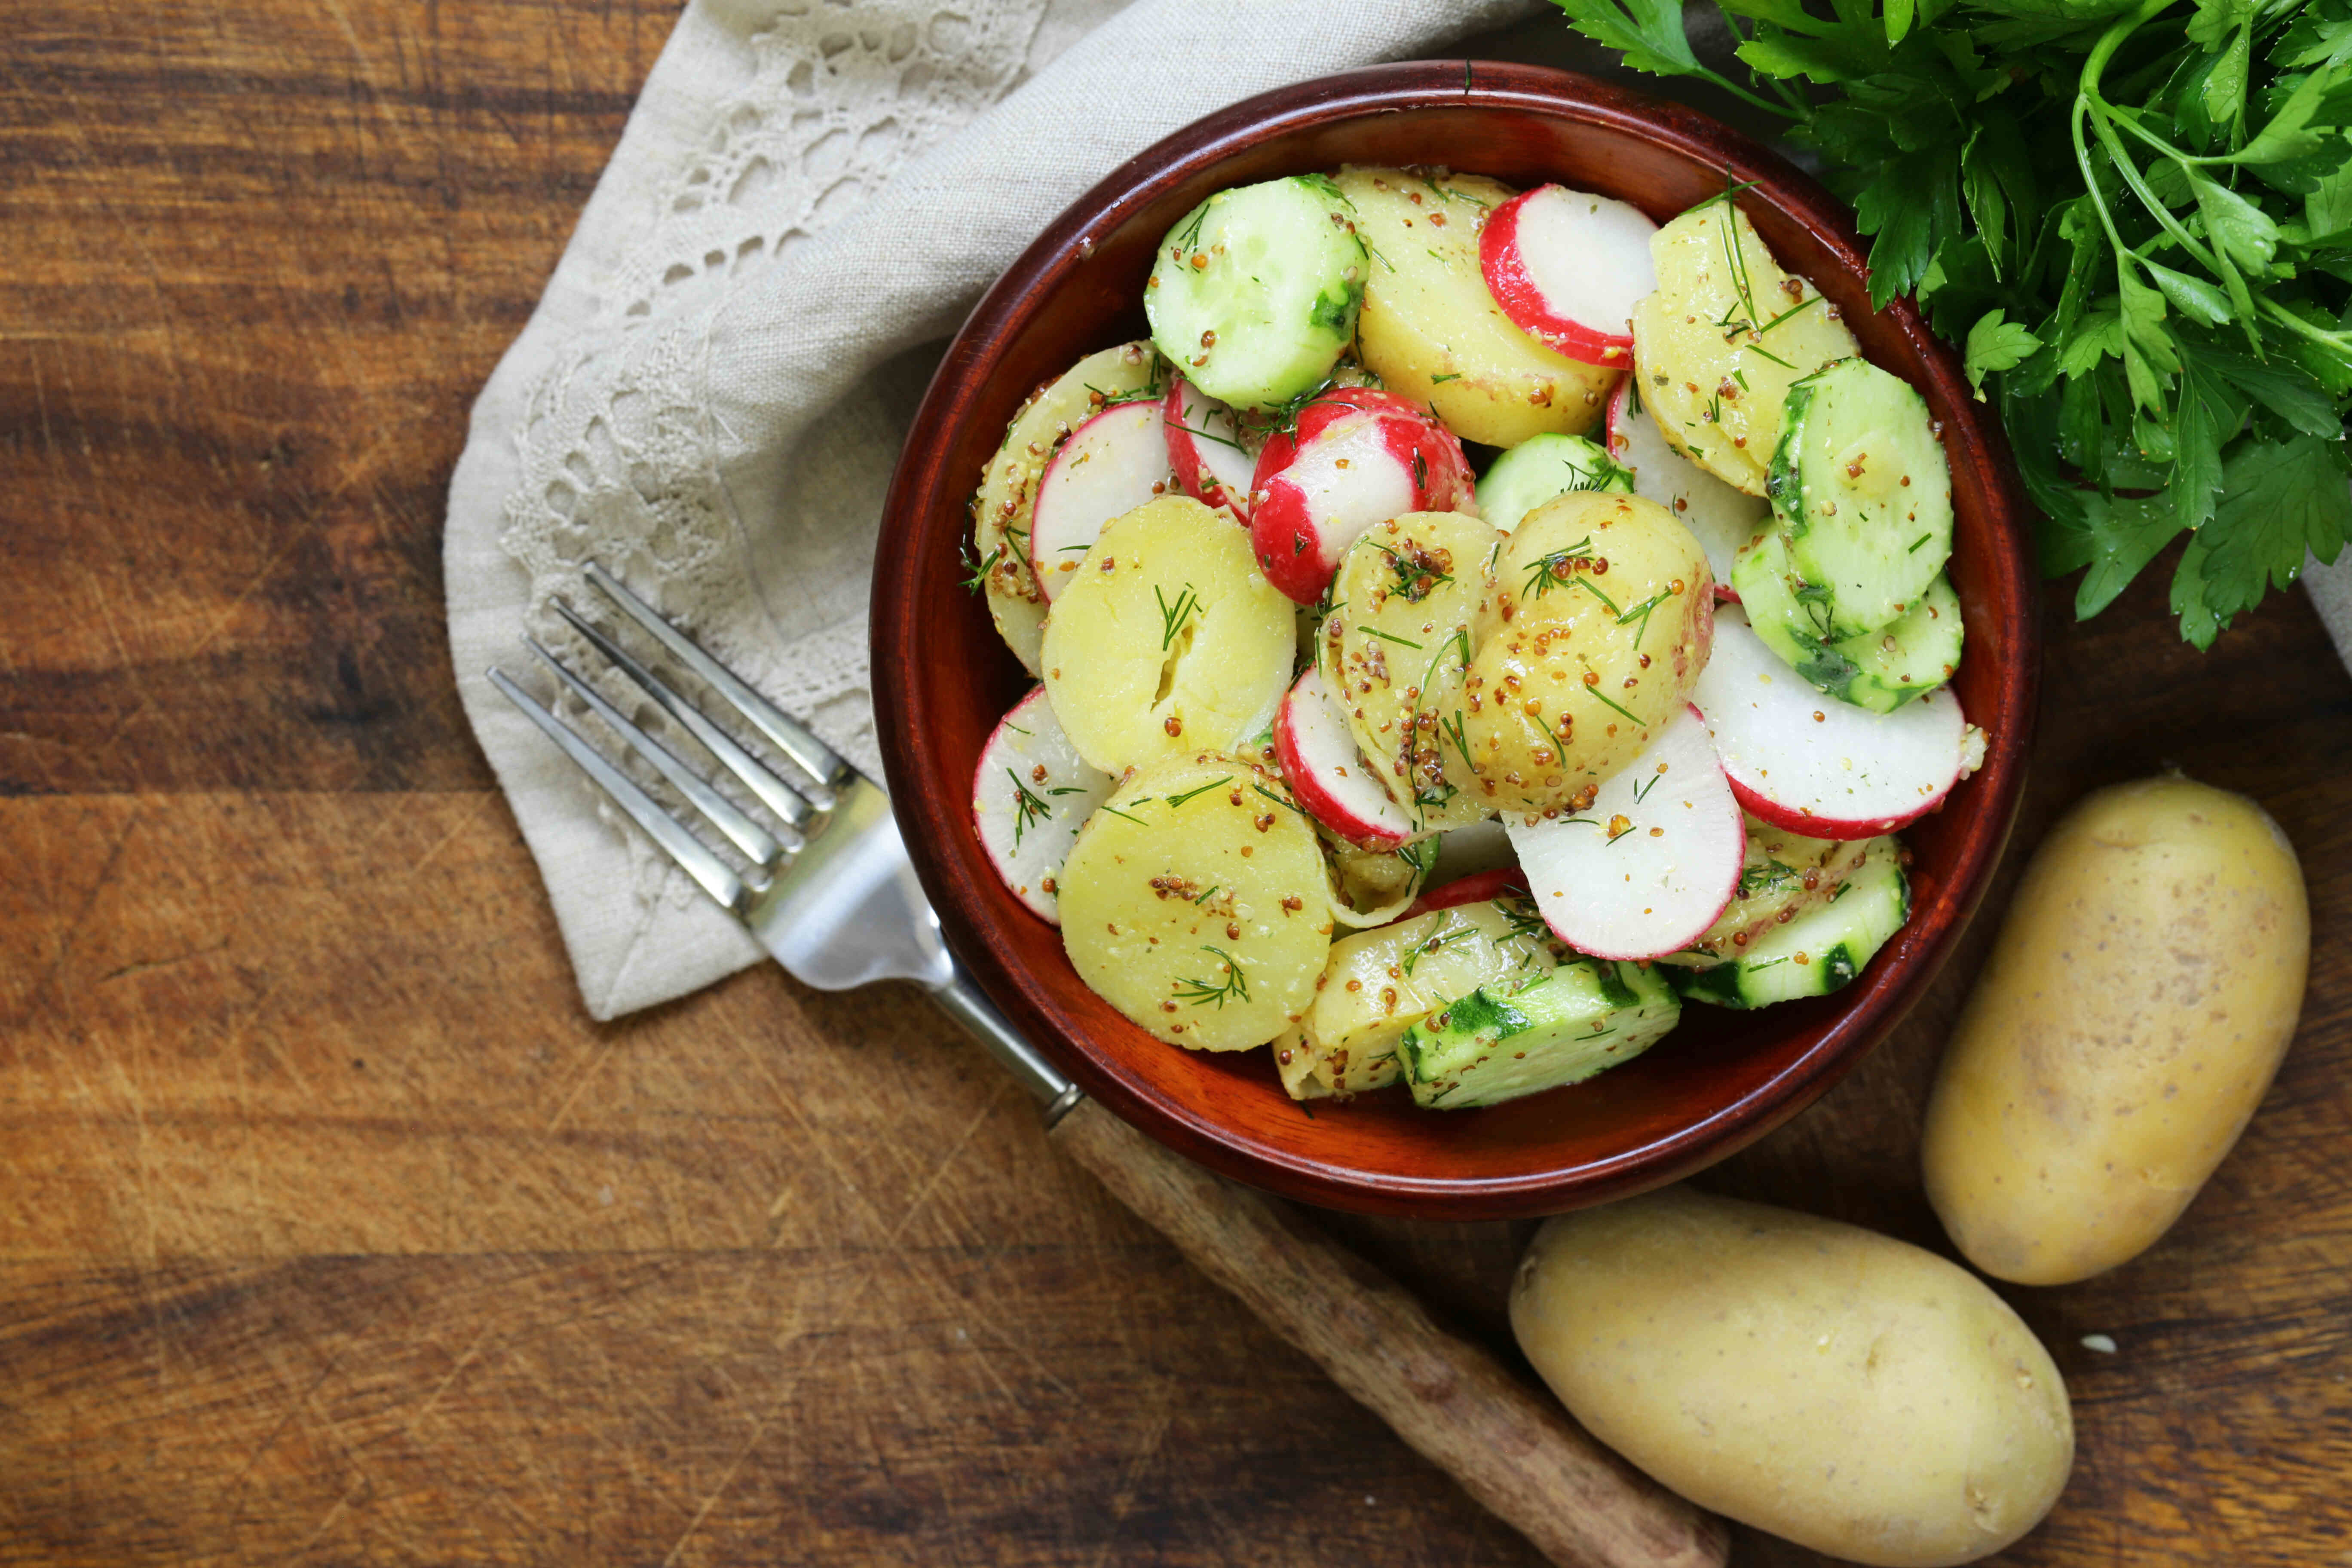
(942, 677)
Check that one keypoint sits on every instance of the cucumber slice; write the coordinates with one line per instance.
(1378, 984)
(1859, 484)
(1255, 293)
(1543, 467)
(1879, 671)
(1514, 1037)
(1823, 948)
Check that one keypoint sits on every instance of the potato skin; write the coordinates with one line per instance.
(1569, 676)
(1848, 1391)
(2141, 992)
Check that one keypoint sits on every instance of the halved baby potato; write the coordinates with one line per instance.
(1393, 649)
(1718, 345)
(1191, 902)
(1008, 485)
(1599, 623)
(1170, 641)
(1429, 329)
(1378, 984)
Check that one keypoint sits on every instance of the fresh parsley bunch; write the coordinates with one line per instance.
(2135, 216)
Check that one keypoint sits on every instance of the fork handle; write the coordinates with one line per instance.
(1453, 1402)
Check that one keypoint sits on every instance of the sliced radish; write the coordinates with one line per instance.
(1330, 777)
(1030, 794)
(1205, 450)
(1566, 266)
(1721, 518)
(1482, 887)
(1362, 459)
(1647, 868)
(1815, 765)
(1112, 464)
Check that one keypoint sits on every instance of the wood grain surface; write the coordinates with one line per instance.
(333, 1232)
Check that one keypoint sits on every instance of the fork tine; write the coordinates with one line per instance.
(693, 857)
(722, 814)
(789, 735)
(774, 793)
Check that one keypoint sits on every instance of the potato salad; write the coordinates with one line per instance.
(1473, 625)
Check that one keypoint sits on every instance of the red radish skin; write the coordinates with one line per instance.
(1114, 462)
(1362, 458)
(1206, 450)
(1478, 887)
(1567, 267)
(1028, 845)
(1805, 762)
(1721, 518)
(1654, 861)
(1319, 761)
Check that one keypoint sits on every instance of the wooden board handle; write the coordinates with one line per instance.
(1453, 1403)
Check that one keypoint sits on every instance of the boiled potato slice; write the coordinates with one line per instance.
(1372, 887)
(1597, 627)
(1379, 984)
(1193, 903)
(1432, 332)
(1008, 485)
(1169, 640)
(1855, 1394)
(2138, 999)
(1395, 647)
(1298, 1067)
(1719, 344)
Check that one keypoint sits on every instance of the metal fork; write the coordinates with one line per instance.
(831, 894)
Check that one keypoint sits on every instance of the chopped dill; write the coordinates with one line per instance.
(1173, 617)
(1234, 985)
(1177, 800)
(1286, 805)
(1602, 697)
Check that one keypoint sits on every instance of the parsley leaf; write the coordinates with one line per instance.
(1996, 345)
(2279, 502)
(2135, 220)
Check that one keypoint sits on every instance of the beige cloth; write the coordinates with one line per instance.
(711, 392)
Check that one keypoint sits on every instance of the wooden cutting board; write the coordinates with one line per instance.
(333, 1231)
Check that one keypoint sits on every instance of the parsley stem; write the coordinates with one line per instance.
(2101, 123)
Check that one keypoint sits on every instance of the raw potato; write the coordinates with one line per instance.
(1369, 997)
(1171, 640)
(1852, 1393)
(1432, 332)
(1394, 648)
(2142, 990)
(1712, 381)
(1598, 625)
(1008, 486)
(1191, 903)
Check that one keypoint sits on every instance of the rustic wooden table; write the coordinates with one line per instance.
(335, 1232)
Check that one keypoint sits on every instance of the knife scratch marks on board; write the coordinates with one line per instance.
(80, 917)
(1147, 1448)
(408, 1434)
(915, 1204)
(585, 1075)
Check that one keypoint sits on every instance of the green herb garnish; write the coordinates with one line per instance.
(2136, 222)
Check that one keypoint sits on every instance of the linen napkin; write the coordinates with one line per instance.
(711, 392)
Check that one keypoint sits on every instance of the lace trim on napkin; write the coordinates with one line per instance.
(621, 460)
